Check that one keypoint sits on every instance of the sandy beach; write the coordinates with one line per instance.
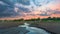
(52, 27)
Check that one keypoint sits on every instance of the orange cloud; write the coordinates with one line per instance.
(54, 6)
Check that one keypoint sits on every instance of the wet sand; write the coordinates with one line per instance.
(4, 25)
(52, 27)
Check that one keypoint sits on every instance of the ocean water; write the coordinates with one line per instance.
(23, 29)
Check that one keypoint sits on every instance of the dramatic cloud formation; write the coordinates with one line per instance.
(23, 8)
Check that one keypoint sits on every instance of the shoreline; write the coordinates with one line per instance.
(50, 27)
(43, 29)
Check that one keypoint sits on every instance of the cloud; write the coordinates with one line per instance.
(56, 11)
(41, 2)
(2, 3)
(24, 2)
(9, 12)
(10, 8)
(12, 2)
(49, 12)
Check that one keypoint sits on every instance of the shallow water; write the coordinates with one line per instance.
(34, 30)
(23, 29)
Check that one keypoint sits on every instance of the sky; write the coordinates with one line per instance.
(27, 9)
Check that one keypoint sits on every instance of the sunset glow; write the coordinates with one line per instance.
(27, 9)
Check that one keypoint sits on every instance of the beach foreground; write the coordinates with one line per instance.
(51, 27)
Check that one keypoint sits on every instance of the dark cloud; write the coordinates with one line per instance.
(9, 1)
(7, 12)
(2, 8)
(12, 2)
(8, 9)
(24, 2)
(49, 12)
(56, 12)
(45, 14)
(26, 10)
